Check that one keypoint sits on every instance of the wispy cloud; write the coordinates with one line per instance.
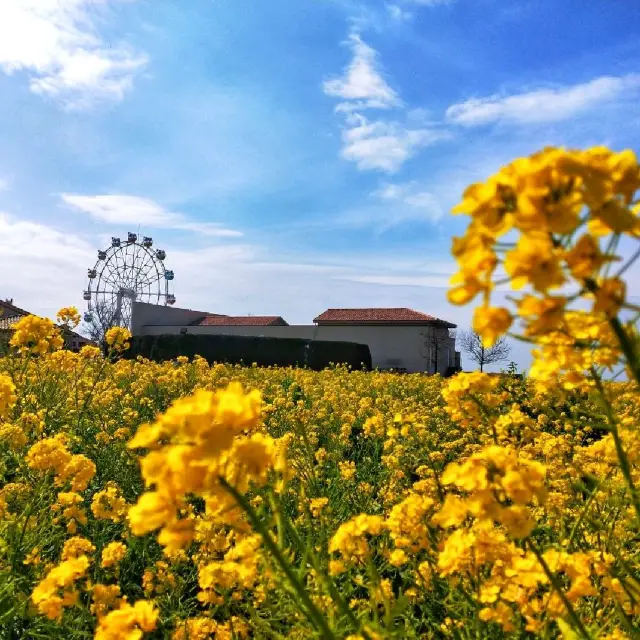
(127, 209)
(362, 81)
(397, 13)
(5, 183)
(413, 196)
(58, 43)
(49, 263)
(544, 105)
(390, 207)
(384, 145)
(429, 3)
(380, 144)
(402, 280)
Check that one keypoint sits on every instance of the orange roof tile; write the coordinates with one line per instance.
(239, 321)
(377, 316)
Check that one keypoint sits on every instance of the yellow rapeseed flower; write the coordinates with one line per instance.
(7, 395)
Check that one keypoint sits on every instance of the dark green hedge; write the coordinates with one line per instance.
(281, 352)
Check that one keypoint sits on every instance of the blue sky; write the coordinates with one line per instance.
(289, 155)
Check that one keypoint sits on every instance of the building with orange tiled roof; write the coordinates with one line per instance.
(10, 314)
(396, 316)
(216, 320)
(399, 338)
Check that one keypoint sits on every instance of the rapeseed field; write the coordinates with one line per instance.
(187, 500)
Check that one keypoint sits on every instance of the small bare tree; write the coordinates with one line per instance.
(433, 342)
(471, 344)
(103, 317)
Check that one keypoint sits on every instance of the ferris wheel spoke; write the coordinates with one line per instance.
(135, 248)
(149, 294)
(115, 267)
(153, 271)
(122, 268)
(105, 266)
(151, 274)
(144, 289)
(111, 281)
(142, 271)
(147, 282)
(147, 265)
(111, 277)
(136, 260)
(125, 263)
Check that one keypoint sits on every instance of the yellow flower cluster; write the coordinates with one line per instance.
(129, 622)
(464, 391)
(108, 504)
(118, 338)
(57, 590)
(7, 395)
(51, 454)
(69, 317)
(36, 335)
(209, 436)
(112, 554)
(560, 205)
(350, 540)
(499, 485)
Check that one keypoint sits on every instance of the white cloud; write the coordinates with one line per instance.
(390, 207)
(362, 81)
(48, 265)
(429, 3)
(58, 43)
(402, 280)
(211, 229)
(411, 195)
(544, 105)
(396, 12)
(127, 209)
(384, 146)
(5, 183)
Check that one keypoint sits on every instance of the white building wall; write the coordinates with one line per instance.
(153, 314)
(391, 346)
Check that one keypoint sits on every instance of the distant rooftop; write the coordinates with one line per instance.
(399, 315)
(9, 313)
(8, 306)
(240, 321)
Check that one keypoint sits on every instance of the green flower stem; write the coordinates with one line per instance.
(311, 611)
(624, 619)
(335, 594)
(584, 510)
(26, 514)
(623, 461)
(627, 347)
(487, 416)
(558, 588)
(89, 396)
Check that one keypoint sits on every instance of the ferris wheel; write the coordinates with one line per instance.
(128, 271)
